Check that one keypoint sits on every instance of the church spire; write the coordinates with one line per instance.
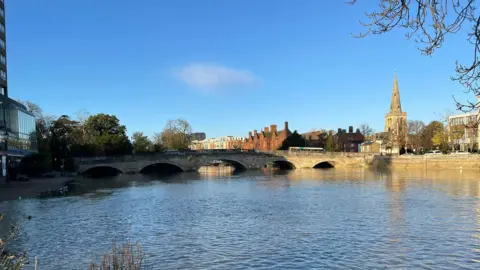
(395, 106)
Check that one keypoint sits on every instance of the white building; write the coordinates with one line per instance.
(220, 143)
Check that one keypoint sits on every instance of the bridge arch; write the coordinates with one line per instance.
(161, 167)
(284, 164)
(101, 171)
(239, 165)
(327, 164)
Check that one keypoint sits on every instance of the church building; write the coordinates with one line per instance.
(396, 121)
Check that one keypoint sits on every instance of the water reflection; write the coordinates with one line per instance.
(297, 219)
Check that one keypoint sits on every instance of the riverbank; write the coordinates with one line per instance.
(30, 188)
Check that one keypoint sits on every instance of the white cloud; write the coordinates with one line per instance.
(207, 76)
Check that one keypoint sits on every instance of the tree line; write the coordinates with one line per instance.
(64, 138)
(436, 135)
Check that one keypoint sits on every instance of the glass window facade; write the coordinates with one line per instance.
(21, 130)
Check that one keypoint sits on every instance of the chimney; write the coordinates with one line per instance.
(249, 134)
(350, 129)
(273, 128)
(286, 126)
(265, 129)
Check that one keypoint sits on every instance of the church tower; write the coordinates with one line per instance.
(396, 119)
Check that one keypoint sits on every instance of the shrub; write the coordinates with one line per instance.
(10, 261)
(128, 256)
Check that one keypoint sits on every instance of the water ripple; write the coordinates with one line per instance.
(263, 222)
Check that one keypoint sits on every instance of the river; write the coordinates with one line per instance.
(302, 219)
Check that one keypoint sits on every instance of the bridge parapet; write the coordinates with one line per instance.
(160, 156)
(323, 154)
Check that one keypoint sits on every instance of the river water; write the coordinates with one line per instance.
(303, 219)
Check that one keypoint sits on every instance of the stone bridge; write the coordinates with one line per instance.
(241, 160)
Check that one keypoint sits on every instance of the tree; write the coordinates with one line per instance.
(330, 142)
(61, 140)
(176, 134)
(157, 145)
(141, 143)
(294, 140)
(108, 136)
(472, 133)
(82, 117)
(366, 130)
(455, 133)
(430, 23)
(43, 124)
(415, 130)
(429, 132)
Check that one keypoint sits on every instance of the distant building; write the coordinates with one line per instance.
(315, 138)
(267, 139)
(463, 131)
(371, 147)
(349, 141)
(198, 136)
(221, 143)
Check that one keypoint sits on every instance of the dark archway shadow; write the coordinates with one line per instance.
(101, 171)
(324, 165)
(284, 165)
(161, 169)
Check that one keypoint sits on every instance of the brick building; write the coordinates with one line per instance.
(267, 139)
(349, 141)
(315, 138)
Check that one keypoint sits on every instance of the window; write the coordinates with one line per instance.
(2, 43)
(2, 13)
(3, 74)
(3, 59)
(2, 90)
(2, 28)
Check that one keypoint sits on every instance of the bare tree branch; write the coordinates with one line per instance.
(429, 22)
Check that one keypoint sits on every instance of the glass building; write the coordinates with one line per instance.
(20, 134)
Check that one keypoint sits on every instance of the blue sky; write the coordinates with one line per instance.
(228, 67)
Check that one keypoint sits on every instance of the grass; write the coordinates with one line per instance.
(128, 256)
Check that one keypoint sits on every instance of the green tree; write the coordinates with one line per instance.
(433, 128)
(141, 143)
(429, 23)
(330, 143)
(108, 136)
(294, 140)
